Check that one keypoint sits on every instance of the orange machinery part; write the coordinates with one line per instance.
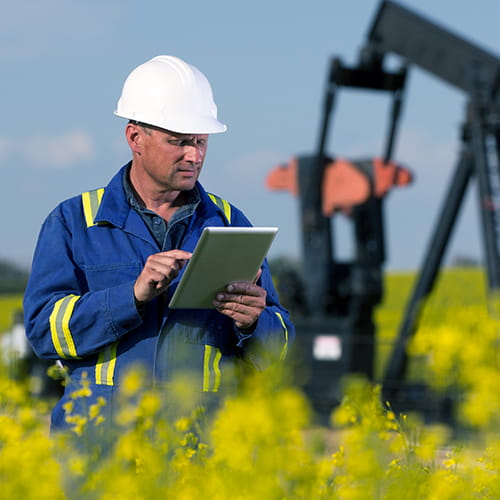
(344, 184)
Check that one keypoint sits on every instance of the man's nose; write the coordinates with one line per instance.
(194, 153)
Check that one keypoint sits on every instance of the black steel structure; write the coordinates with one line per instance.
(476, 72)
(336, 332)
(335, 318)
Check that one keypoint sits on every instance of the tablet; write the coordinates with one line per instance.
(222, 255)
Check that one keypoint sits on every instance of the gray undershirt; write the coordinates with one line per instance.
(168, 235)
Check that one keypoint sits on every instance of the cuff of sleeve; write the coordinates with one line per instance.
(123, 313)
(243, 334)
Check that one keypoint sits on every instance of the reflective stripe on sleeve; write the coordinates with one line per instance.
(91, 201)
(284, 351)
(105, 367)
(211, 369)
(59, 327)
(223, 205)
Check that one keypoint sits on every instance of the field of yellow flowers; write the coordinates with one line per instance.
(262, 443)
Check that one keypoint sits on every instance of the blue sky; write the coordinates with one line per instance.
(64, 62)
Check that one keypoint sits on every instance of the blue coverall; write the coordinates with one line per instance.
(79, 302)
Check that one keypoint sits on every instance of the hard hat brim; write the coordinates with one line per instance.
(179, 124)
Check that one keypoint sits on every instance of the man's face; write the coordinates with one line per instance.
(171, 160)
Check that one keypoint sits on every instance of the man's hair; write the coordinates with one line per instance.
(147, 128)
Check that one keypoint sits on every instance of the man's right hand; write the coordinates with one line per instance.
(160, 269)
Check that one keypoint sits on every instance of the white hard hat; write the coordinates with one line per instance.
(171, 94)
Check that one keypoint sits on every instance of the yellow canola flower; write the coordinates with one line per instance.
(484, 475)
(448, 485)
(95, 409)
(126, 415)
(481, 405)
(68, 407)
(183, 424)
(10, 431)
(259, 443)
(77, 465)
(150, 404)
(27, 466)
(431, 439)
(78, 423)
(84, 392)
(132, 383)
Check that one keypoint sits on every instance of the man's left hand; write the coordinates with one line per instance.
(243, 302)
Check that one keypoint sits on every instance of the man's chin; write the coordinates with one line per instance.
(186, 185)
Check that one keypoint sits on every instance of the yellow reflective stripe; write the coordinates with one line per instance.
(59, 327)
(91, 201)
(211, 352)
(53, 330)
(206, 368)
(284, 351)
(105, 367)
(218, 356)
(223, 205)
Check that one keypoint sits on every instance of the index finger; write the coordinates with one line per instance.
(177, 254)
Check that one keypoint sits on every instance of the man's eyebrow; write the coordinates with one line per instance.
(181, 136)
(178, 137)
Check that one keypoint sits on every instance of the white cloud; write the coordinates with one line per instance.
(60, 151)
(48, 151)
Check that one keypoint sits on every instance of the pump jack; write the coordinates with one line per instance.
(334, 316)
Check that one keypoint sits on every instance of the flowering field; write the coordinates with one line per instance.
(9, 304)
(262, 443)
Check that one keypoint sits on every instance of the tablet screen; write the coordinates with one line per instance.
(222, 255)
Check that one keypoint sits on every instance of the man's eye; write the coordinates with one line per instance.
(187, 142)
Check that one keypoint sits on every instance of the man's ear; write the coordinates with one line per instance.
(134, 137)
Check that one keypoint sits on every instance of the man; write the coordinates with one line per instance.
(107, 262)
